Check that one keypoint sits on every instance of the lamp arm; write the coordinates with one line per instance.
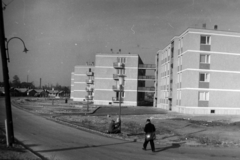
(25, 49)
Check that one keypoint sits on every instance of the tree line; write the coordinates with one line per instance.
(16, 83)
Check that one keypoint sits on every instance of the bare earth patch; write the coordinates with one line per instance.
(171, 127)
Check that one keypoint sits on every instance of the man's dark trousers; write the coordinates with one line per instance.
(151, 143)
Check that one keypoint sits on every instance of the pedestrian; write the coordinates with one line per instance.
(114, 127)
(149, 130)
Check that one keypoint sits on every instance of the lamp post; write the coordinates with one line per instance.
(120, 101)
(24, 50)
(9, 122)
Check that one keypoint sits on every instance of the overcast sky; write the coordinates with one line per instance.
(61, 34)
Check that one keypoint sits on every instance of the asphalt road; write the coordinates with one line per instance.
(59, 142)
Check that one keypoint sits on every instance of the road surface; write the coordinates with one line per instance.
(59, 142)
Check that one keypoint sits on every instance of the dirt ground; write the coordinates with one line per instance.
(194, 130)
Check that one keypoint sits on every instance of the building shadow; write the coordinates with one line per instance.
(82, 147)
(174, 145)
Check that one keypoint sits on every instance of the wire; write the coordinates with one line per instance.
(5, 5)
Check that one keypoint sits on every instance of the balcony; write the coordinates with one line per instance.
(117, 88)
(146, 89)
(146, 77)
(116, 100)
(89, 81)
(147, 66)
(118, 65)
(89, 89)
(116, 76)
(89, 73)
(89, 97)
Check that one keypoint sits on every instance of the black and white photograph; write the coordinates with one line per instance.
(120, 80)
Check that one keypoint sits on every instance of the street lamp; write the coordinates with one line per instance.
(4, 48)
(24, 50)
(5, 58)
(120, 98)
(121, 82)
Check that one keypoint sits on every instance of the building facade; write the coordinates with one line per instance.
(116, 78)
(82, 83)
(199, 73)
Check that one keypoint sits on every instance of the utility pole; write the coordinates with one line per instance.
(9, 122)
(120, 101)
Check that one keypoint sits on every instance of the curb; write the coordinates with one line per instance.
(38, 156)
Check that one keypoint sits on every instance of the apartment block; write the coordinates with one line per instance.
(82, 83)
(118, 78)
(199, 73)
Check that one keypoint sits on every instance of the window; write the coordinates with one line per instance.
(121, 71)
(203, 96)
(204, 58)
(121, 59)
(180, 77)
(122, 94)
(205, 40)
(204, 77)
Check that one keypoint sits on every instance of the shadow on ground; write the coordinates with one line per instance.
(82, 147)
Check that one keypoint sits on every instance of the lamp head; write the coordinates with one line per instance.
(25, 50)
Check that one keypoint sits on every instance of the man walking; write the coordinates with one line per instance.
(149, 130)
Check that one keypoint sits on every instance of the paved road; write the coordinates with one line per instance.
(59, 142)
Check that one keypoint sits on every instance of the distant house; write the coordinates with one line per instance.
(14, 92)
(53, 93)
(41, 93)
(31, 92)
(21, 91)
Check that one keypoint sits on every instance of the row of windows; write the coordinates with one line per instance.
(203, 77)
(121, 71)
(204, 40)
(122, 94)
(202, 96)
(122, 59)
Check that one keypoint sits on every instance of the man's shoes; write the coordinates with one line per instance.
(153, 150)
(144, 149)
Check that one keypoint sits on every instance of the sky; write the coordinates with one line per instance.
(61, 34)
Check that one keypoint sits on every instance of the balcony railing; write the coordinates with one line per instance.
(116, 76)
(117, 99)
(147, 66)
(146, 88)
(146, 77)
(89, 73)
(118, 65)
(89, 81)
(117, 88)
(89, 89)
(89, 97)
